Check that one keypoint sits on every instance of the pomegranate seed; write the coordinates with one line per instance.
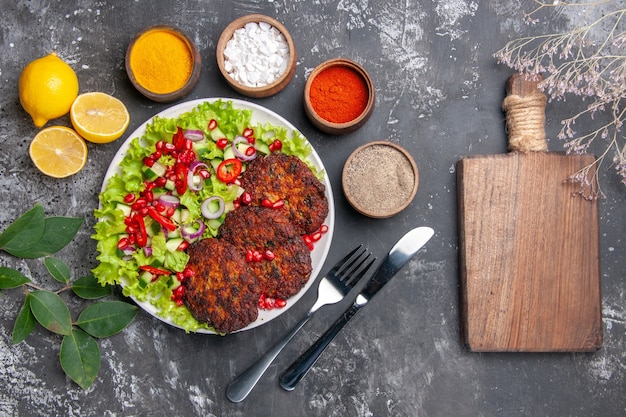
(277, 145)
(212, 124)
(250, 151)
(156, 155)
(269, 255)
(169, 211)
(131, 230)
(148, 195)
(221, 143)
(266, 203)
(160, 145)
(249, 255)
(323, 228)
(184, 245)
(148, 162)
(129, 198)
(123, 243)
(315, 236)
(280, 303)
(188, 273)
(307, 239)
(160, 207)
(139, 204)
(160, 182)
(247, 132)
(246, 198)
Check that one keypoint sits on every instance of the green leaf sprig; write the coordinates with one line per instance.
(33, 235)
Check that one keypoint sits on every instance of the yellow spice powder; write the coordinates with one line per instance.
(161, 61)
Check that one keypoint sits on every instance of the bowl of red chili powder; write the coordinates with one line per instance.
(163, 63)
(339, 96)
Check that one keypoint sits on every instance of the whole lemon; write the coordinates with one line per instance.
(48, 86)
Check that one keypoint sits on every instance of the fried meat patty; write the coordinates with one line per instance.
(261, 229)
(222, 292)
(279, 176)
(251, 227)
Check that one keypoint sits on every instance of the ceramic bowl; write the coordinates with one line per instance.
(380, 179)
(268, 89)
(334, 127)
(187, 86)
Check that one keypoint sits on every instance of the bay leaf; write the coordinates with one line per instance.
(24, 231)
(89, 288)
(51, 312)
(80, 357)
(106, 318)
(24, 323)
(11, 278)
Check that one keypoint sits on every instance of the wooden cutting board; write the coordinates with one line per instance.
(529, 249)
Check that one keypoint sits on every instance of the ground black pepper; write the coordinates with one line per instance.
(380, 179)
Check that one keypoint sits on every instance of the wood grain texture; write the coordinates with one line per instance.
(529, 255)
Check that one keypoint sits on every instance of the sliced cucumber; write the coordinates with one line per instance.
(155, 171)
(125, 208)
(173, 244)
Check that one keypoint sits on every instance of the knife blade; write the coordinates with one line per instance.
(397, 257)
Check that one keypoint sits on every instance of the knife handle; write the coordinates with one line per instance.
(290, 378)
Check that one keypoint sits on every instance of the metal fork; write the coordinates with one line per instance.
(332, 288)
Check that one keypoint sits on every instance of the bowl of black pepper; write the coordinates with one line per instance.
(256, 55)
(380, 179)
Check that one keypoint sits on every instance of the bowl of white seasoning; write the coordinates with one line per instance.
(256, 55)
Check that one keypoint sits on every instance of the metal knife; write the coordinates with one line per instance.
(398, 256)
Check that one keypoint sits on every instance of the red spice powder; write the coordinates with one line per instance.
(339, 94)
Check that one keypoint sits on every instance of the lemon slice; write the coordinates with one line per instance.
(58, 151)
(99, 117)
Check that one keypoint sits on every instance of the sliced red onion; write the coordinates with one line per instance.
(193, 135)
(206, 210)
(147, 250)
(194, 182)
(169, 200)
(238, 153)
(197, 164)
(189, 236)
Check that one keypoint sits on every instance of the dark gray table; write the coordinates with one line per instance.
(439, 94)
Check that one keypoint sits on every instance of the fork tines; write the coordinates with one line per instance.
(355, 265)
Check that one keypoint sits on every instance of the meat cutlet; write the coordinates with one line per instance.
(222, 292)
(261, 229)
(285, 177)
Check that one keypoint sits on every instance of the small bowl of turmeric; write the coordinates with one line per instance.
(339, 96)
(163, 63)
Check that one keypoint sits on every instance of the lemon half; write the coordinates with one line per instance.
(99, 117)
(58, 151)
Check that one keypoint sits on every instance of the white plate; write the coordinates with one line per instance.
(259, 115)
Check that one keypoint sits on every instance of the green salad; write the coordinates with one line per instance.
(174, 186)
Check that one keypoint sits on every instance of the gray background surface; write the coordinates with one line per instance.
(439, 92)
